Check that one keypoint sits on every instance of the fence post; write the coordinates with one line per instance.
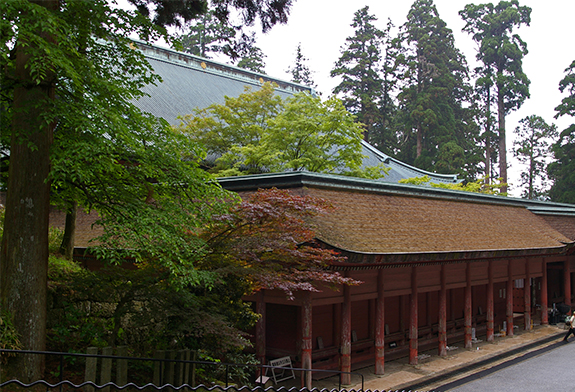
(106, 372)
(91, 366)
(158, 367)
(171, 367)
(194, 358)
(122, 366)
(180, 368)
(186, 379)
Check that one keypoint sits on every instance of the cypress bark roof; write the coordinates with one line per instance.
(376, 222)
(380, 223)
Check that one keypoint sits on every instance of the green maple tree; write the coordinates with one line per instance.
(69, 71)
(259, 132)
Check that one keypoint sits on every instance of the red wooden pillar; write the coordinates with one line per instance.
(544, 299)
(402, 306)
(413, 331)
(527, 297)
(468, 307)
(346, 336)
(490, 303)
(428, 313)
(380, 325)
(509, 294)
(337, 325)
(567, 281)
(306, 340)
(442, 351)
(261, 328)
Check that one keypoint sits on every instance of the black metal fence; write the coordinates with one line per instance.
(62, 384)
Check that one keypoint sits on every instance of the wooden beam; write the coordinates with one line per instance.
(380, 325)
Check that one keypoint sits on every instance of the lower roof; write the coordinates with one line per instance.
(375, 218)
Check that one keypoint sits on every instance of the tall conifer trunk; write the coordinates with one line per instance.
(488, 178)
(24, 256)
(502, 141)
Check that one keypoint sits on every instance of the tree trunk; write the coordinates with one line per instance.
(419, 141)
(24, 256)
(488, 178)
(67, 246)
(502, 142)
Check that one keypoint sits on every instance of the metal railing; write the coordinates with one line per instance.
(163, 363)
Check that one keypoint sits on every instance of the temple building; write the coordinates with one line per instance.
(439, 267)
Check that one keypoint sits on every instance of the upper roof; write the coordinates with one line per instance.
(190, 82)
(397, 222)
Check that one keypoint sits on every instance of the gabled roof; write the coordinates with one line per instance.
(191, 82)
(397, 223)
(400, 170)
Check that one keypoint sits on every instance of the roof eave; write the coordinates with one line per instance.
(367, 260)
(333, 181)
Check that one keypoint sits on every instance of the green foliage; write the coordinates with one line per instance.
(209, 35)
(69, 69)
(425, 180)
(147, 197)
(258, 132)
(268, 241)
(562, 171)
(173, 13)
(436, 127)
(300, 72)
(55, 235)
(60, 268)
(531, 147)
(361, 86)
(478, 186)
(248, 55)
(384, 134)
(139, 308)
(9, 337)
(107, 155)
(492, 26)
(501, 53)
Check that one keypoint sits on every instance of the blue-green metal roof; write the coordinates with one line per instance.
(332, 181)
(190, 82)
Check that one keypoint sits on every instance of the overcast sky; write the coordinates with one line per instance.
(322, 27)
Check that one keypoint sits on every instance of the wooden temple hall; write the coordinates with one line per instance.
(439, 268)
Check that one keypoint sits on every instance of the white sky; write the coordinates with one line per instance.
(322, 27)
